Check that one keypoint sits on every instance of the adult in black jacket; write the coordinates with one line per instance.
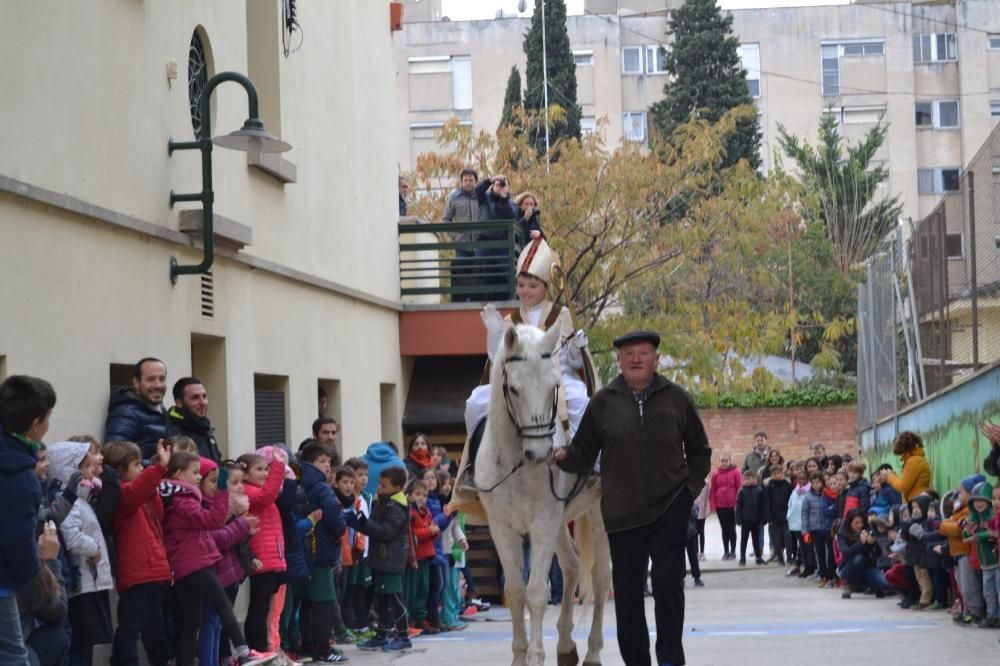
(527, 216)
(860, 551)
(655, 457)
(189, 417)
(495, 204)
(136, 413)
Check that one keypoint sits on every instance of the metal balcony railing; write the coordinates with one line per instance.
(433, 268)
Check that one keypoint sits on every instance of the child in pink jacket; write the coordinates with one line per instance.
(262, 484)
(191, 549)
(725, 484)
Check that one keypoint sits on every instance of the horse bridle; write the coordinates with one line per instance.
(545, 430)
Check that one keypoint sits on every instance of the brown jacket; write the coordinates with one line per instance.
(647, 458)
(951, 529)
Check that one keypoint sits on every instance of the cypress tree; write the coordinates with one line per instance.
(561, 71)
(706, 77)
(511, 98)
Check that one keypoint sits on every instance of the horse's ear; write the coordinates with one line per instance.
(510, 338)
(551, 339)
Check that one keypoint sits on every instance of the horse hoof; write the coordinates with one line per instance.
(568, 658)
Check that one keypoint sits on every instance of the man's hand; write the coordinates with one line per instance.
(558, 455)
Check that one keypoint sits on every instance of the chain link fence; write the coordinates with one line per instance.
(929, 308)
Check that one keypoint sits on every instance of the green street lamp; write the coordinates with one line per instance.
(251, 138)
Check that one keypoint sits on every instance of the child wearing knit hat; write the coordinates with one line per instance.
(969, 581)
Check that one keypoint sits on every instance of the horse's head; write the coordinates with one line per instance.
(529, 383)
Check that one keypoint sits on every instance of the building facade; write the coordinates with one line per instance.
(304, 291)
(931, 70)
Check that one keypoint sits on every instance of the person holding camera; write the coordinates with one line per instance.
(495, 205)
(860, 552)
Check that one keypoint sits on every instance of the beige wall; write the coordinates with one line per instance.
(89, 108)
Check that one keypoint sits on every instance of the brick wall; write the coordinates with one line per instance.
(792, 431)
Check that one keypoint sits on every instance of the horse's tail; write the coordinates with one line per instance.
(583, 533)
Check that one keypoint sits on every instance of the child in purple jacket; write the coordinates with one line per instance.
(188, 530)
(229, 570)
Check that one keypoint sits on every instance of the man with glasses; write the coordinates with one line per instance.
(654, 460)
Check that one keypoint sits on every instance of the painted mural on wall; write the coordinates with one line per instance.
(949, 425)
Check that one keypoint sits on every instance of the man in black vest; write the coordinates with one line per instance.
(189, 416)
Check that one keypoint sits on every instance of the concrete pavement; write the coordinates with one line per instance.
(753, 615)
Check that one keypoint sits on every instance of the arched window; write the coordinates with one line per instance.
(197, 79)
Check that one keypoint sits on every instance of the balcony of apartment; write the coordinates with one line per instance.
(445, 281)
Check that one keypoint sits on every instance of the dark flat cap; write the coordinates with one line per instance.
(638, 336)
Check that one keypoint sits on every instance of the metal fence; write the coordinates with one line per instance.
(929, 308)
(434, 267)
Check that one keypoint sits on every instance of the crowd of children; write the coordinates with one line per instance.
(885, 535)
(326, 556)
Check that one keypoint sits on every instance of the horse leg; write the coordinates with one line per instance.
(601, 577)
(543, 539)
(508, 545)
(569, 561)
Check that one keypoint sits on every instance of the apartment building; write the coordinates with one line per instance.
(931, 70)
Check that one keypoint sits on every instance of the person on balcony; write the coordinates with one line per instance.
(404, 190)
(495, 204)
(462, 207)
(527, 208)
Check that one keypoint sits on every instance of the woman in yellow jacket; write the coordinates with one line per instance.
(916, 470)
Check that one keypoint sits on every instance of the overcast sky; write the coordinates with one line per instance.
(467, 10)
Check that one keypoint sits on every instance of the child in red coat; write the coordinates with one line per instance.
(143, 570)
(191, 550)
(262, 484)
(416, 582)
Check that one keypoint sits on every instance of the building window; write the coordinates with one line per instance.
(935, 47)
(587, 125)
(634, 126)
(993, 42)
(832, 52)
(656, 60)
(954, 246)
(750, 59)
(940, 114)
(460, 69)
(583, 58)
(938, 181)
(925, 114)
(830, 56)
(631, 60)
(197, 80)
(858, 115)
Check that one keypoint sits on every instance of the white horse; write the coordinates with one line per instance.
(523, 495)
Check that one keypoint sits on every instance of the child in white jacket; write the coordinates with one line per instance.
(800, 553)
(89, 602)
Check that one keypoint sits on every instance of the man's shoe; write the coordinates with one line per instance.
(397, 644)
(988, 623)
(936, 606)
(794, 571)
(743, 562)
(781, 560)
(429, 629)
(761, 562)
(698, 582)
(374, 643)
(846, 594)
